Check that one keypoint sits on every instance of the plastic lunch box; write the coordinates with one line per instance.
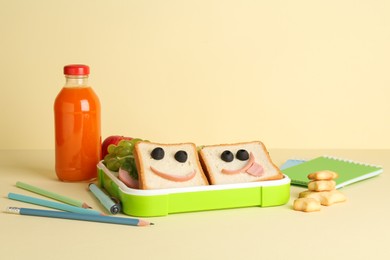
(151, 203)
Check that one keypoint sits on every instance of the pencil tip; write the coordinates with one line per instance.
(86, 206)
(144, 223)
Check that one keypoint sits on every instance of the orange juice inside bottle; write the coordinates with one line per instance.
(77, 127)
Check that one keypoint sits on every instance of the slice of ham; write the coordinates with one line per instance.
(255, 170)
(125, 177)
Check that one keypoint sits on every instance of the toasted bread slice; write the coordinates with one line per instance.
(162, 166)
(238, 163)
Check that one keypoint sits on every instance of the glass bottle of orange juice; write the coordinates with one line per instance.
(77, 127)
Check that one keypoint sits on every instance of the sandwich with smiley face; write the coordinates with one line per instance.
(162, 166)
(238, 163)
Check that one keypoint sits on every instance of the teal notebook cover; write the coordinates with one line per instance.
(349, 171)
(290, 163)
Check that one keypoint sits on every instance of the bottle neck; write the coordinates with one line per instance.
(76, 81)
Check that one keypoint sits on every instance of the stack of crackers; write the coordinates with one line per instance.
(321, 191)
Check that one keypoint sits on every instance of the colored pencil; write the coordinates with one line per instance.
(52, 195)
(106, 201)
(77, 216)
(52, 204)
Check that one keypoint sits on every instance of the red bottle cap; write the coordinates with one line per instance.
(76, 69)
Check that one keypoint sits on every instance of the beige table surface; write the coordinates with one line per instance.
(356, 229)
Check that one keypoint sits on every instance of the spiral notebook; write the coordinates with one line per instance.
(349, 171)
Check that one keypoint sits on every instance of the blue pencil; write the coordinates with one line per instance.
(106, 201)
(52, 204)
(77, 216)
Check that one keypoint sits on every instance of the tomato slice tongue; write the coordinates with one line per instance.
(255, 169)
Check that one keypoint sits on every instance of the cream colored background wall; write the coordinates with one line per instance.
(294, 74)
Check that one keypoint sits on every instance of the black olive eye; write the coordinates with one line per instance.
(181, 156)
(227, 156)
(157, 153)
(242, 155)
